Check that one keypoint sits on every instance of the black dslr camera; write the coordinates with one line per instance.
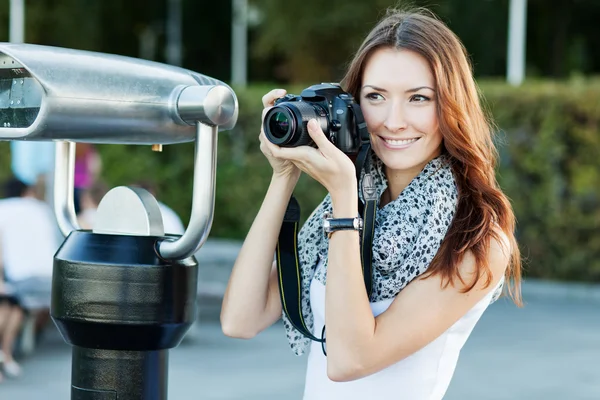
(335, 110)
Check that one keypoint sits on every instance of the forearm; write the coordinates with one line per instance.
(349, 319)
(246, 295)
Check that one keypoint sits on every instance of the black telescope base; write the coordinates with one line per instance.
(118, 374)
(122, 308)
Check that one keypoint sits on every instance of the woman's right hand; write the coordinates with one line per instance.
(281, 168)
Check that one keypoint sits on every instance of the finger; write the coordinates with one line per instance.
(265, 146)
(264, 112)
(311, 168)
(265, 150)
(273, 149)
(303, 154)
(317, 135)
(268, 99)
(301, 166)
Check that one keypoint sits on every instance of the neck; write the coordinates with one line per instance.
(398, 180)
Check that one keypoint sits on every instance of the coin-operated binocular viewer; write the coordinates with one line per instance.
(123, 293)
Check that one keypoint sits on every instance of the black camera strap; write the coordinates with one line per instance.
(363, 137)
(368, 209)
(288, 269)
(288, 266)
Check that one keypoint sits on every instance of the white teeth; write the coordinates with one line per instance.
(400, 142)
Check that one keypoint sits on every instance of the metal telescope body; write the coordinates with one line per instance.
(123, 293)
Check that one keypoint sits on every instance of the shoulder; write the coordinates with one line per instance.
(496, 255)
(166, 209)
(499, 249)
(7, 202)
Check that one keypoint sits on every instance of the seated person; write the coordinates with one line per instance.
(11, 318)
(90, 199)
(171, 221)
(29, 238)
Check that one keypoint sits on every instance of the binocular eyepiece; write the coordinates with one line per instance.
(49, 93)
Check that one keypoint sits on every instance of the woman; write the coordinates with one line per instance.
(443, 243)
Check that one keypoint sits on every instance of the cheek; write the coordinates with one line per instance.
(374, 117)
(425, 120)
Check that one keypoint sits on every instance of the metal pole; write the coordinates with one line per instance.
(174, 47)
(17, 21)
(517, 32)
(239, 42)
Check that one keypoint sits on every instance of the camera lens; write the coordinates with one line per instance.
(285, 124)
(279, 125)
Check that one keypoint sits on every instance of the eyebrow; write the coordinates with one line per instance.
(407, 91)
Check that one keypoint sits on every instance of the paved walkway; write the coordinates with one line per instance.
(548, 350)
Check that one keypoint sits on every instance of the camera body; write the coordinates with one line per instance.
(285, 124)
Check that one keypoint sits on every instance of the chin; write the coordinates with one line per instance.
(403, 164)
(404, 161)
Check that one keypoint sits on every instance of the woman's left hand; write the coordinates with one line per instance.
(326, 163)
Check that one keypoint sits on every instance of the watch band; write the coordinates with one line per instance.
(331, 224)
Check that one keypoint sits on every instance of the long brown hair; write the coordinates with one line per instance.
(467, 139)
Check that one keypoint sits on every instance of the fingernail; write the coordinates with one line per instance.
(312, 124)
(280, 92)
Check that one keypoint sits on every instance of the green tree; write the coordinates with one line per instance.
(309, 40)
(65, 23)
(116, 27)
(314, 38)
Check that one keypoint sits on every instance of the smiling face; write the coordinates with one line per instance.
(398, 100)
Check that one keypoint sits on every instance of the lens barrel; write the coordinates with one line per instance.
(285, 124)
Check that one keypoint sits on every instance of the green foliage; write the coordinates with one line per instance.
(551, 171)
(311, 47)
(4, 161)
(548, 140)
(312, 40)
(117, 27)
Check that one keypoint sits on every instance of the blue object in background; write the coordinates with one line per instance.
(30, 159)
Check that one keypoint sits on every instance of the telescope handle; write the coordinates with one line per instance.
(64, 182)
(203, 197)
(203, 194)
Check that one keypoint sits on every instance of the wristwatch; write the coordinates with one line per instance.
(331, 224)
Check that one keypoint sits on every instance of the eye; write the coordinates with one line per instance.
(373, 96)
(419, 98)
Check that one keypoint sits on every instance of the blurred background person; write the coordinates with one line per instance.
(88, 166)
(11, 318)
(28, 240)
(171, 220)
(31, 160)
(89, 201)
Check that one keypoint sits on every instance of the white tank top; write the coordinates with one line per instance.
(424, 375)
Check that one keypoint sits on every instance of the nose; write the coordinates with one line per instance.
(395, 120)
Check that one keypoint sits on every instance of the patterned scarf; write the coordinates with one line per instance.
(408, 233)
